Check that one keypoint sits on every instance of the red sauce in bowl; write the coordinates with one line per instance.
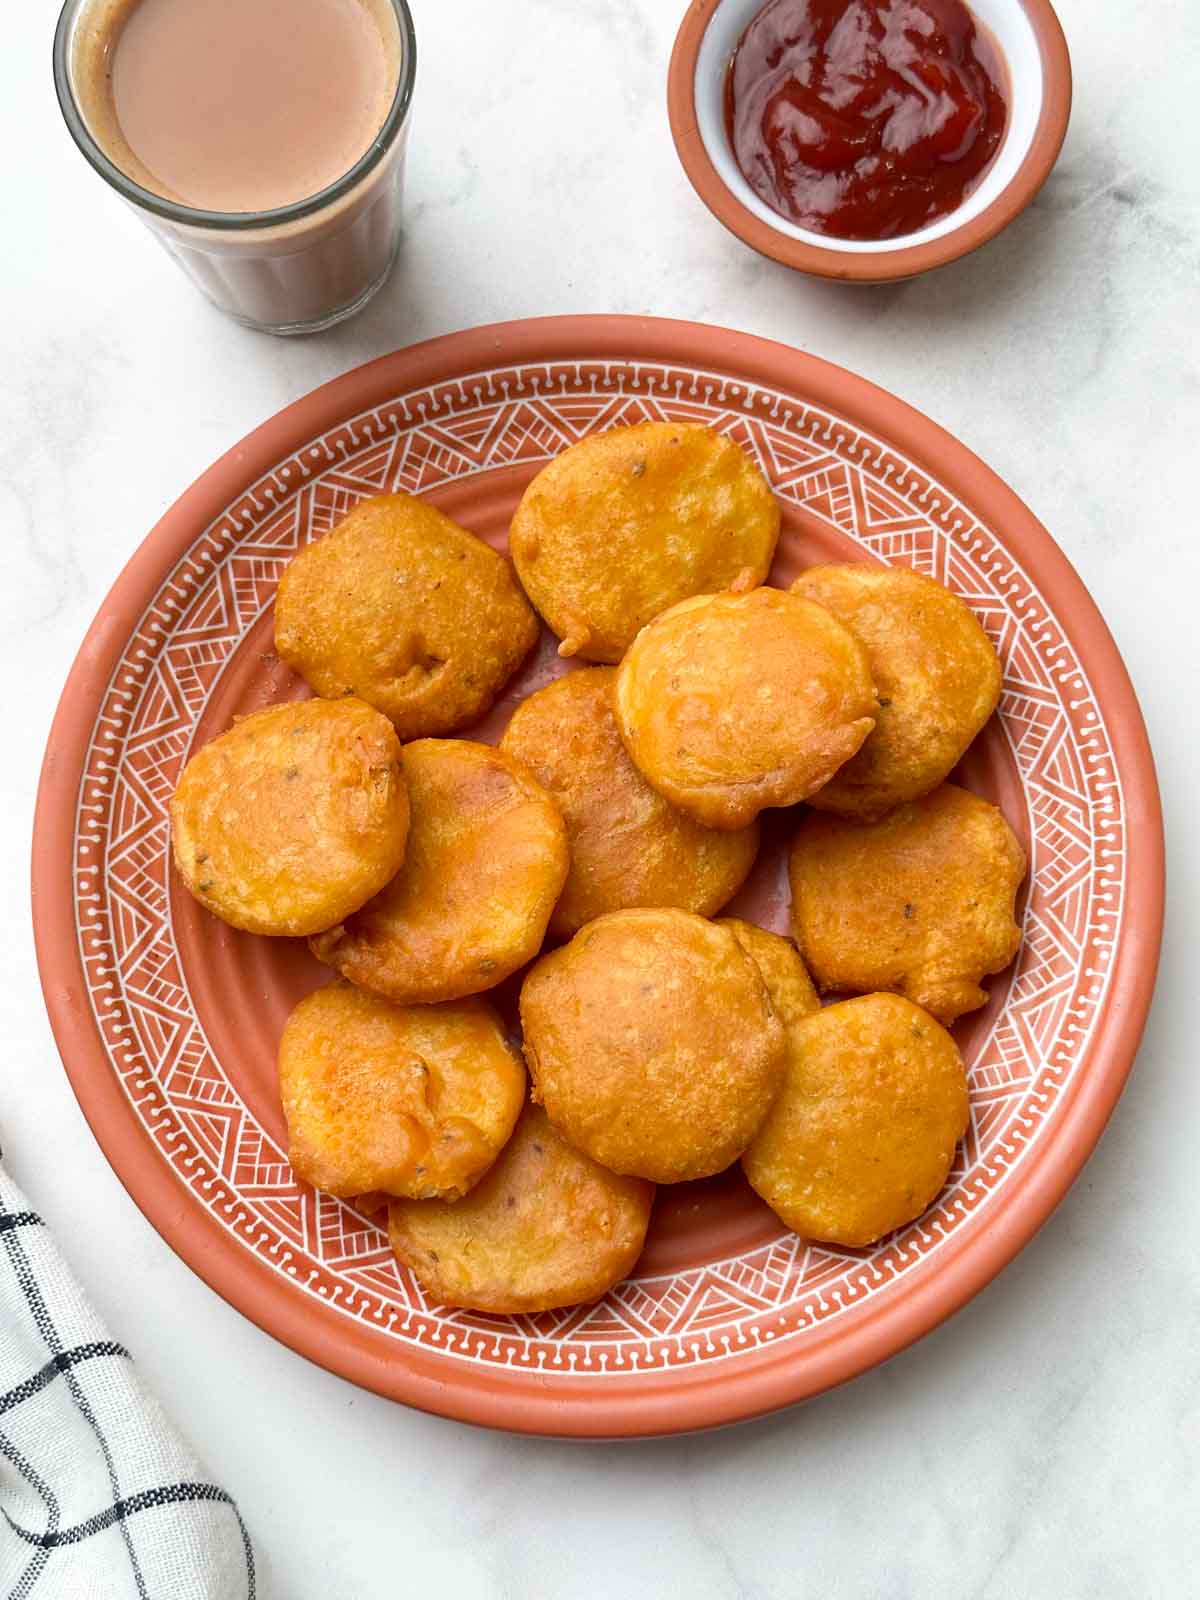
(865, 119)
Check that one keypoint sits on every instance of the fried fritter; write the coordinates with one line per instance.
(293, 818)
(625, 523)
(396, 1100)
(629, 847)
(487, 859)
(921, 902)
(731, 703)
(778, 961)
(652, 1043)
(863, 1133)
(401, 606)
(547, 1227)
(936, 675)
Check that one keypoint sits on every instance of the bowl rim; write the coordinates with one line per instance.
(687, 1399)
(882, 266)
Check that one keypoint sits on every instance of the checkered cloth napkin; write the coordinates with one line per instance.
(101, 1498)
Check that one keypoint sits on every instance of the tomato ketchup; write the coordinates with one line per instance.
(865, 119)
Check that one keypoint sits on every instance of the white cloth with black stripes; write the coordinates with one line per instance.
(101, 1498)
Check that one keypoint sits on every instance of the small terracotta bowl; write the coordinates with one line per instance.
(1039, 94)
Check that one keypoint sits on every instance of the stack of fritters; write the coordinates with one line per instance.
(619, 814)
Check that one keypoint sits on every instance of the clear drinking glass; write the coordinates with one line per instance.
(296, 269)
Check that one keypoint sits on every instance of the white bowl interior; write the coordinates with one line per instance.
(1012, 31)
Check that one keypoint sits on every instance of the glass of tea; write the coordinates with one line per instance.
(263, 146)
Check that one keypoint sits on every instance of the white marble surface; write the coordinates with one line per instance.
(1046, 1442)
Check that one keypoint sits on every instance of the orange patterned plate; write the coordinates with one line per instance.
(167, 1020)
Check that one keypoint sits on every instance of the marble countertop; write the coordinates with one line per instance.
(1046, 1441)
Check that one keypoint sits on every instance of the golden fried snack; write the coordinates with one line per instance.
(625, 523)
(652, 1043)
(547, 1227)
(936, 675)
(629, 847)
(293, 818)
(863, 1133)
(487, 859)
(730, 703)
(404, 608)
(404, 1100)
(778, 961)
(921, 902)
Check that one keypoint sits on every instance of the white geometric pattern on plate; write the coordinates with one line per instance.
(424, 439)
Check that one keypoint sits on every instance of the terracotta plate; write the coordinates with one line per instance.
(167, 1021)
